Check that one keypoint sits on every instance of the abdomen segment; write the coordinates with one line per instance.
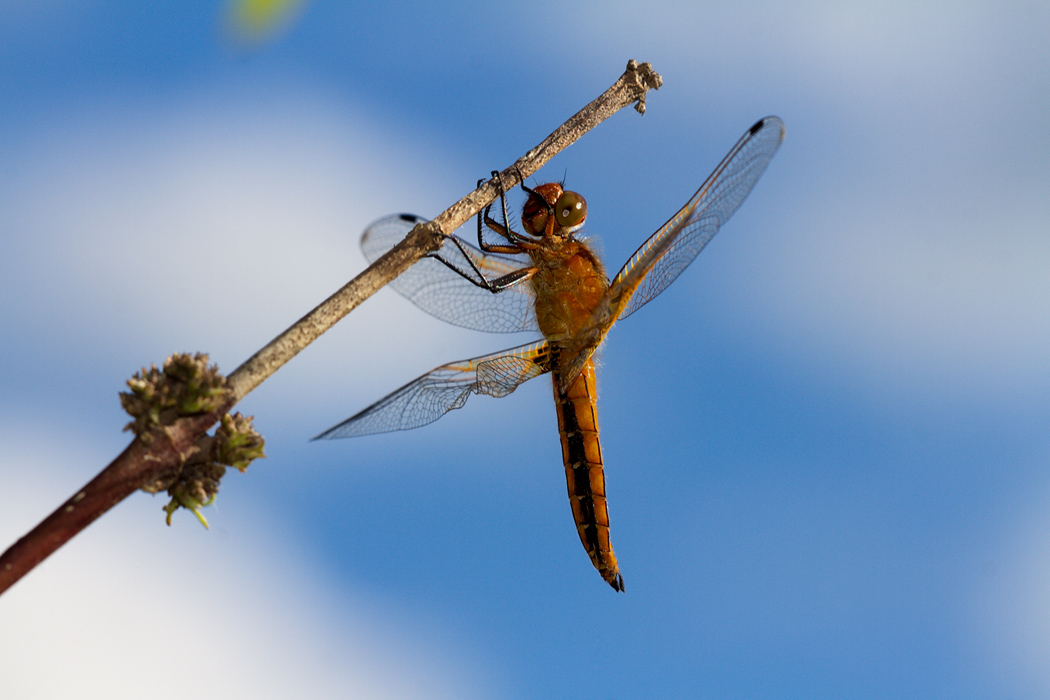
(578, 426)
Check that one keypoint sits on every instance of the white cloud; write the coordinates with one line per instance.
(212, 222)
(131, 609)
(172, 215)
(913, 304)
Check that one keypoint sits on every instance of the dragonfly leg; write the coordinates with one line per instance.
(503, 198)
(518, 242)
(485, 211)
(478, 279)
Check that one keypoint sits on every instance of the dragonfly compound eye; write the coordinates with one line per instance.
(570, 210)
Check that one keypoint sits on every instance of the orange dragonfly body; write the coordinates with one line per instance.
(548, 280)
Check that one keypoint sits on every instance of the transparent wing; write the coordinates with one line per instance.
(659, 261)
(443, 294)
(437, 392)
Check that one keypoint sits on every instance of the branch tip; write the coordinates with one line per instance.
(641, 78)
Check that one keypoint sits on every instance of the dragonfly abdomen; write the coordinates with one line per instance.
(584, 472)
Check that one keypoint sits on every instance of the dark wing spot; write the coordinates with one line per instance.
(411, 218)
(758, 125)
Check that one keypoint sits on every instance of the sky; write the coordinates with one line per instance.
(826, 445)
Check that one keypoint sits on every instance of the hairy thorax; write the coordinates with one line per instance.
(569, 284)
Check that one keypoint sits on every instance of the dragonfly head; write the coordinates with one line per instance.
(569, 211)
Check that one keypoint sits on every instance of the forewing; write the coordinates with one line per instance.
(437, 392)
(442, 293)
(659, 261)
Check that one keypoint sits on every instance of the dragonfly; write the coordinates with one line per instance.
(548, 279)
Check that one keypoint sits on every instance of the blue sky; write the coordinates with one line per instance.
(826, 443)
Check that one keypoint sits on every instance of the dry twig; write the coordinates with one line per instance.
(166, 448)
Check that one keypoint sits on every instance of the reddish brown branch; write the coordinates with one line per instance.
(133, 468)
(142, 464)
